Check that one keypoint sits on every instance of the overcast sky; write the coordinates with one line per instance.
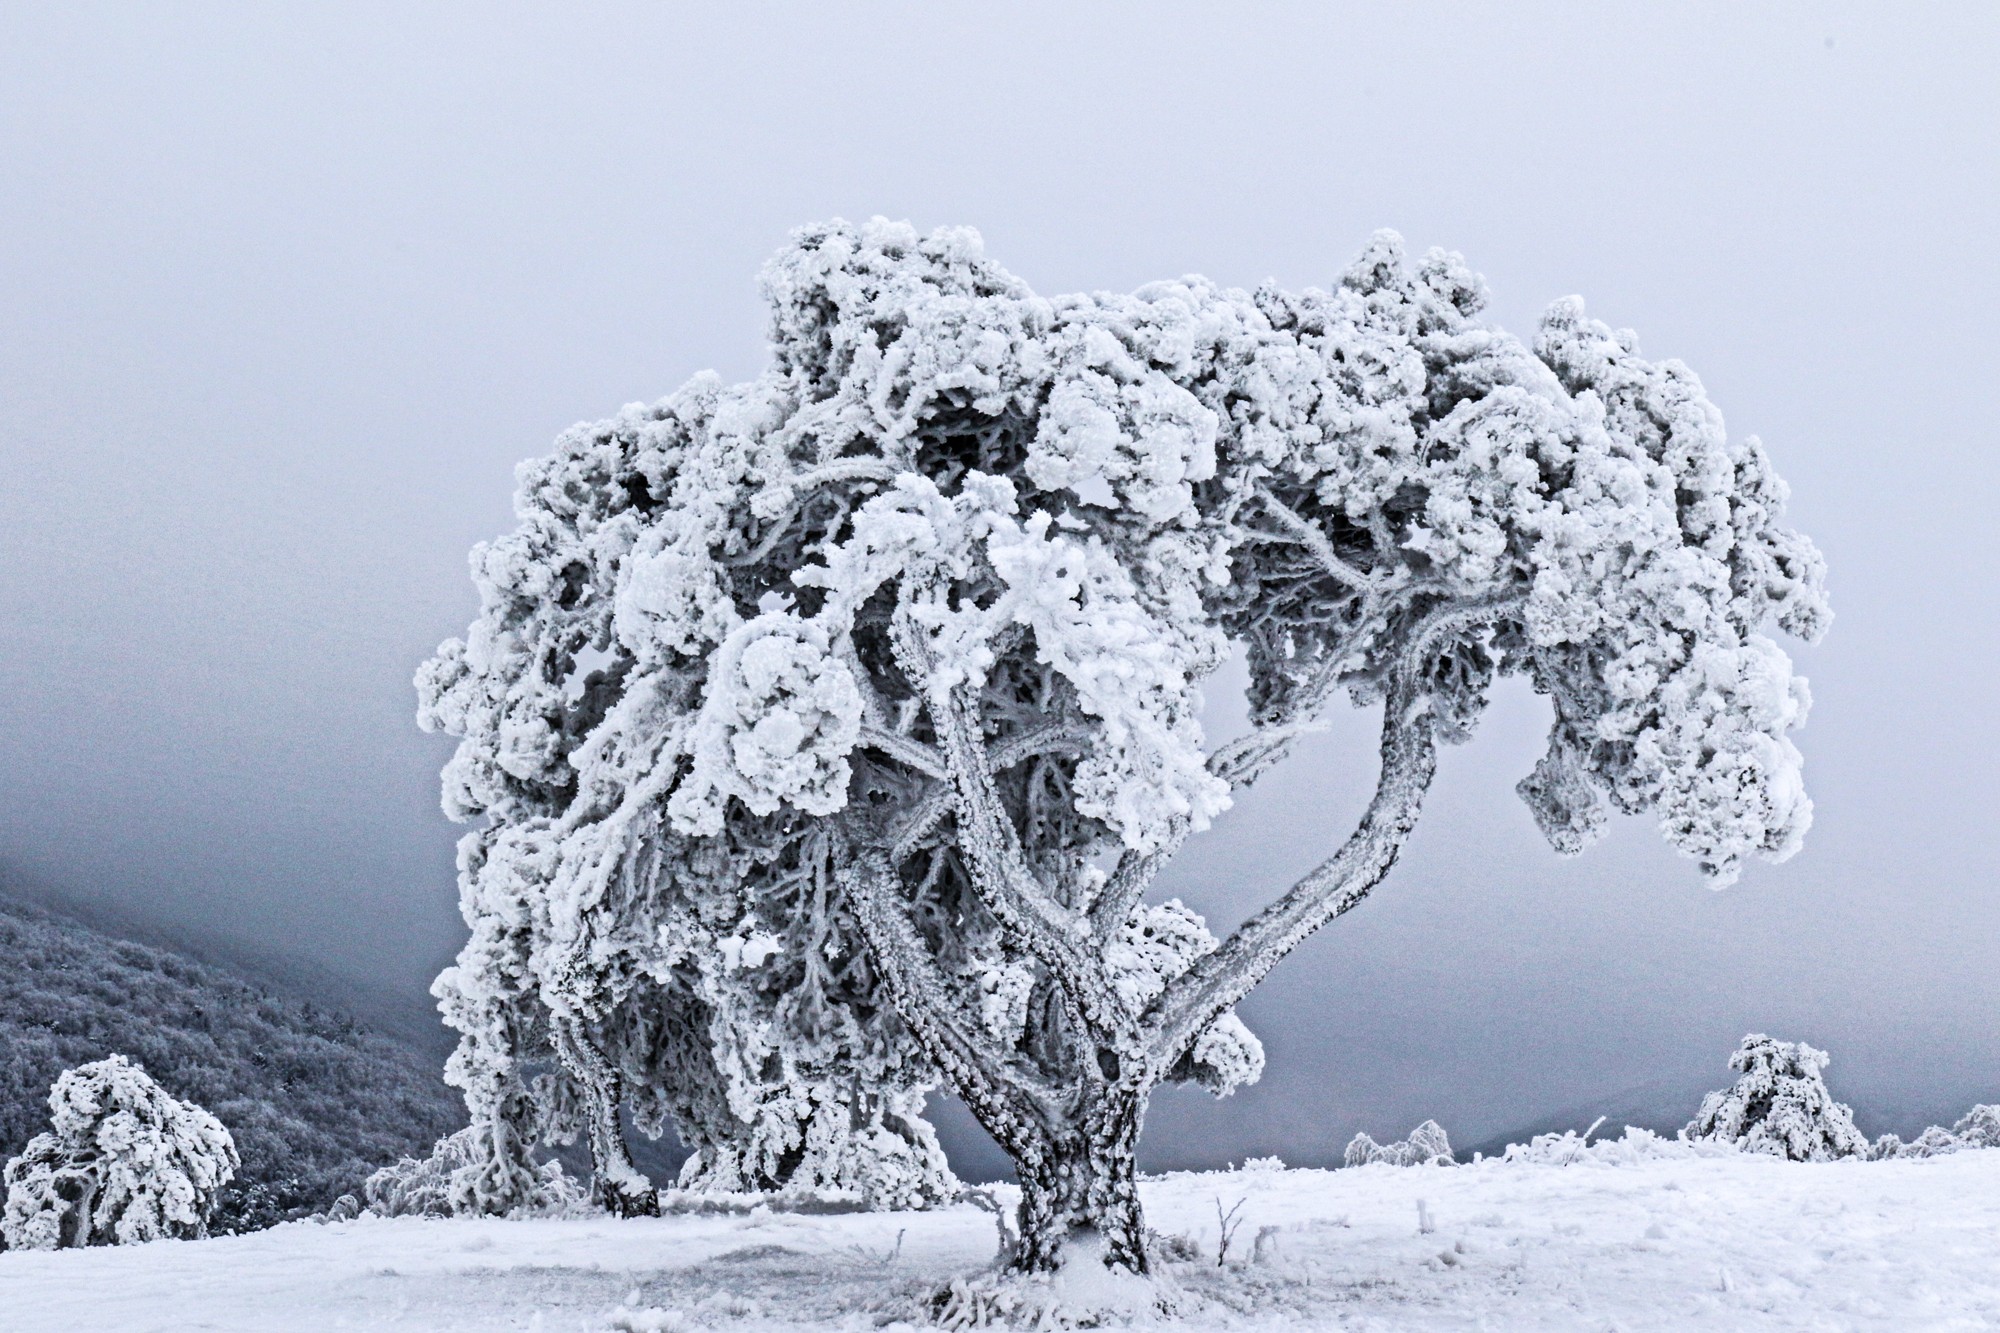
(285, 293)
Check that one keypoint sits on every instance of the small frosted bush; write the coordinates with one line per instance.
(1780, 1106)
(1636, 1145)
(1978, 1128)
(424, 1186)
(123, 1162)
(1426, 1146)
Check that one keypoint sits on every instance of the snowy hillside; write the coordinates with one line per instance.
(314, 1101)
(1735, 1242)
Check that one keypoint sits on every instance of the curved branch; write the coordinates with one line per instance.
(778, 502)
(1409, 761)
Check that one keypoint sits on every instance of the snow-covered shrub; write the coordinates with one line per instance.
(123, 1162)
(1635, 1145)
(1936, 1141)
(826, 733)
(419, 1186)
(1978, 1128)
(1426, 1146)
(422, 1186)
(1779, 1106)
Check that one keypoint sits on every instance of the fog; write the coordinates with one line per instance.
(284, 295)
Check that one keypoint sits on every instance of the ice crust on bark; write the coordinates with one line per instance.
(123, 1162)
(823, 733)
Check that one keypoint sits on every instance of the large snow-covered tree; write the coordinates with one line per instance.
(832, 728)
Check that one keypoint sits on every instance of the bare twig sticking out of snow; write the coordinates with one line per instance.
(987, 1201)
(1584, 1142)
(885, 1257)
(1226, 1225)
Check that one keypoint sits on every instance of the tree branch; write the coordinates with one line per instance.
(937, 803)
(906, 750)
(1315, 541)
(1009, 1101)
(1131, 879)
(1409, 761)
(1055, 934)
(1244, 759)
(778, 502)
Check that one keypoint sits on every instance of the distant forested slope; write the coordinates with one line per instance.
(315, 1101)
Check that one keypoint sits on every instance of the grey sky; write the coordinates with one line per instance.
(285, 293)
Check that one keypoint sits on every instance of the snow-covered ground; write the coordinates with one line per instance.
(1736, 1242)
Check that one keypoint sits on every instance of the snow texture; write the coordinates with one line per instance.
(823, 734)
(123, 1163)
(1737, 1241)
(1779, 1106)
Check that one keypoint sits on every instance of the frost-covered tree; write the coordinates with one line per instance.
(899, 645)
(123, 1162)
(1780, 1105)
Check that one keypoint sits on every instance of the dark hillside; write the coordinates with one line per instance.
(314, 1100)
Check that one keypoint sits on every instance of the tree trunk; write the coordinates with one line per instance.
(1083, 1190)
(616, 1183)
(76, 1227)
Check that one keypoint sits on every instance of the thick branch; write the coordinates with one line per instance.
(1129, 882)
(1217, 981)
(1054, 933)
(1409, 761)
(1007, 1099)
(619, 1183)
